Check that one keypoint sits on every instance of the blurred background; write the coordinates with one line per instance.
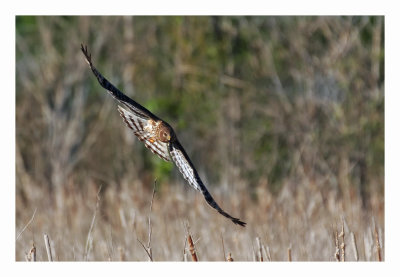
(283, 117)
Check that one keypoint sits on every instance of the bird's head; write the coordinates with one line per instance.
(164, 134)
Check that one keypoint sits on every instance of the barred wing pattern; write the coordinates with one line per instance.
(184, 166)
(188, 171)
(137, 124)
(140, 120)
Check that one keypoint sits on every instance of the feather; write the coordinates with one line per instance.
(141, 120)
(137, 124)
(189, 173)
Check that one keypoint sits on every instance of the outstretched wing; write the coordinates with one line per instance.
(132, 105)
(138, 124)
(190, 174)
(137, 118)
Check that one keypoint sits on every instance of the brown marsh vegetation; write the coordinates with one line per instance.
(282, 116)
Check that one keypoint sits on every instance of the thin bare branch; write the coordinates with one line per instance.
(89, 238)
(26, 226)
(147, 248)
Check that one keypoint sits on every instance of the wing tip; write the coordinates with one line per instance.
(88, 56)
(239, 222)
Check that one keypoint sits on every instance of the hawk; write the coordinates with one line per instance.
(158, 136)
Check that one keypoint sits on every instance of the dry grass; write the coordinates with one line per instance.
(31, 256)
(192, 249)
(48, 247)
(109, 226)
(290, 116)
(289, 254)
(378, 246)
(342, 245)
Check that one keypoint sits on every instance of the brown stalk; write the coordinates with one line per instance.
(337, 249)
(289, 253)
(342, 245)
(260, 256)
(31, 256)
(191, 248)
(377, 246)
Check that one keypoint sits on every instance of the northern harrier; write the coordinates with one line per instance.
(158, 136)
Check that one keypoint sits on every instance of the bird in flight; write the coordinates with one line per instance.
(158, 136)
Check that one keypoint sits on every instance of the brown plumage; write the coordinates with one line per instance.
(158, 136)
